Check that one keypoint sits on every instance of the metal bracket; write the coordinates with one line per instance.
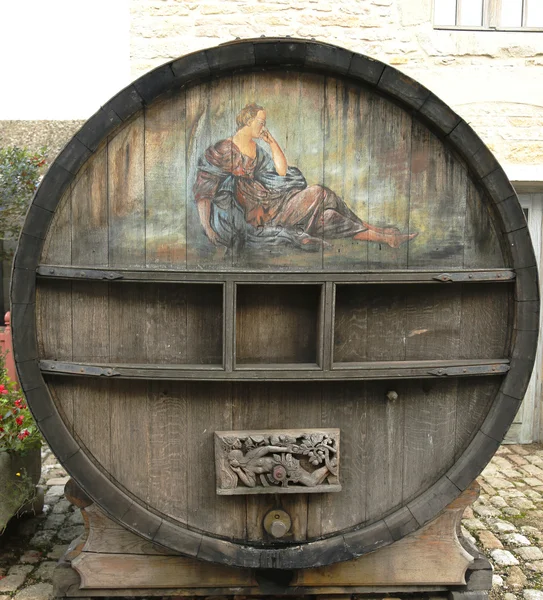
(53, 366)
(71, 273)
(470, 370)
(476, 276)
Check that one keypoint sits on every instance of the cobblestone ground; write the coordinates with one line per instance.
(506, 523)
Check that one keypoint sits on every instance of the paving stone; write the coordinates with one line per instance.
(54, 494)
(535, 459)
(501, 462)
(10, 583)
(533, 595)
(31, 557)
(503, 558)
(529, 553)
(500, 526)
(533, 531)
(518, 449)
(534, 496)
(39, 591)
(487, 489)
(2, 597)
(532, 481)
(518, 460)
(487, 511)
(533, 470)
(511, 473)
(58, 551)
(54, 521)
(511, 512)
(522, 503)
(45, 570)
(489, 541)
(519, 484)
(62, 506)
(536, 566)
(515, 539)
(76, 518)
(537, 513)
(42, 538)
(467, 535)
(20, 570)
(473, 524)
(499, 483)
(498, 502)
(511, 494)
(58, 481)
(67, 534)
(509, 596)
(497, 581)
(502, 450)
(516, 578)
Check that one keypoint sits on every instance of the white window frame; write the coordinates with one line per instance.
(491, 18)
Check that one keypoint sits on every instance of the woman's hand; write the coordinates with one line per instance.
(279, 159)
(212, 235)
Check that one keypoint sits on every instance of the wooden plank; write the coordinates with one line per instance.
(429, 434)
(90, 327)
(209, 119)
(126, 200)
(57, 247)
(209, 408)
(334, 512)
(437, 202)
(267, 316)
(482, 246)
(347, 123)
(94, 402)
(61, 390)
(129, 437)
(127, 323)
(168, 465)
(165, 176)
(54, 320)
(279, 406)
(384, 464)
(389, 179)
(90, 241)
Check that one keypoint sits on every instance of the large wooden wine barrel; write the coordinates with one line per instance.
(274, 275)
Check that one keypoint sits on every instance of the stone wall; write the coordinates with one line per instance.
(490, 78)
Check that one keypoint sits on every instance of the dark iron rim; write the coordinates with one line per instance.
(261, 54)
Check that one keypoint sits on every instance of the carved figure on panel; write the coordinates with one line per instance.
(274, 462)
(249, 196)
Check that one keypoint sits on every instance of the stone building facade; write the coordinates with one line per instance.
(492, 78)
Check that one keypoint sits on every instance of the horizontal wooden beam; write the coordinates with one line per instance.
(300, 277)
(276, 372)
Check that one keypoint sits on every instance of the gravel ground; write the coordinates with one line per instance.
(506, 523)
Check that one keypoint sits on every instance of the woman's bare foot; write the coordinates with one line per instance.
(400, 238)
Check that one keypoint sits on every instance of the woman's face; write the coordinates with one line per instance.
(257, 124)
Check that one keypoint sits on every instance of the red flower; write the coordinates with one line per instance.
(19, 420)
(2, 387)
(4, 392)
(19, 403)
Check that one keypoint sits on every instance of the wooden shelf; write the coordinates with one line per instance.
(346, 371)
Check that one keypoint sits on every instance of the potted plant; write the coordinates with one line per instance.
(20, 453)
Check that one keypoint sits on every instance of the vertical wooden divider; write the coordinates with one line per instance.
(229, 325)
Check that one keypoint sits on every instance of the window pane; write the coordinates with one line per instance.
(534, 16)
(445, 12)
(471, 13)
(511, 13)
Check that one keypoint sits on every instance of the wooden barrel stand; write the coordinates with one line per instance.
(108, 560)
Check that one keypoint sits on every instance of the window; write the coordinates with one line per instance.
(488, 14)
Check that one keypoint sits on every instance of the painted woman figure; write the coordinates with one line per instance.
(249, 197)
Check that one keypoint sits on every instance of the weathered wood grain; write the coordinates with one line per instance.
(126, 169)
(54, 320)
(437, 205)
(165, 182)
(267, 316)
(57, 247)
(89, 212)
(90, 327)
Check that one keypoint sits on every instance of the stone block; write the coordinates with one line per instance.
(516, 539)
(516, 578)
(489, 541)
(11, 583)
(503, 558)
(529, 553)
(39, 591)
